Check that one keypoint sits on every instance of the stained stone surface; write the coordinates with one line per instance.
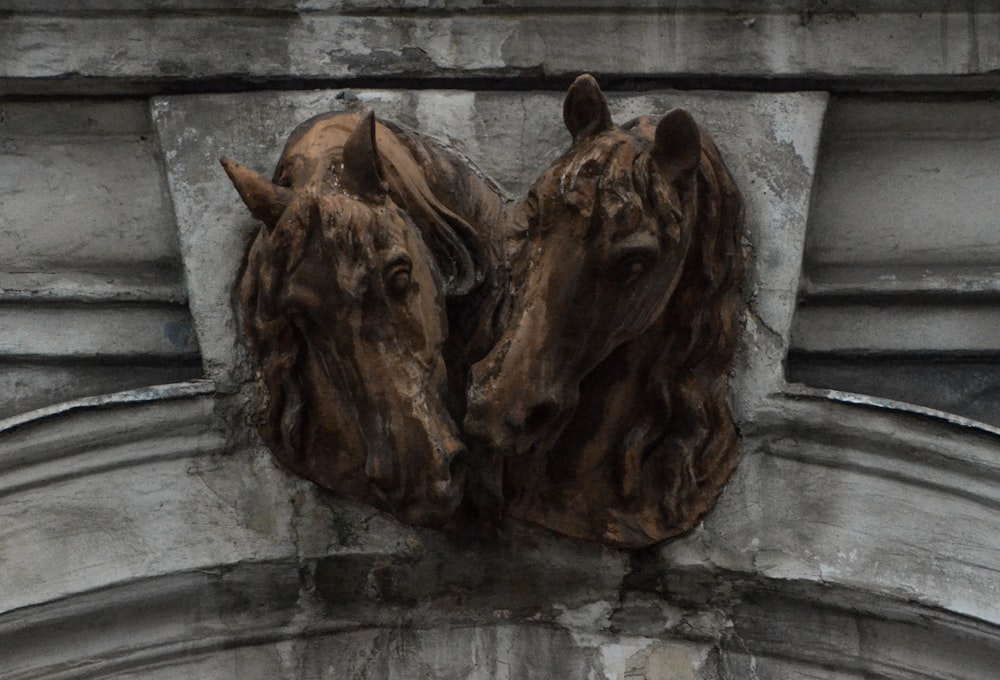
(92, 298)
(902, 262)
(827, 495)
(147, 535)
(924, 46)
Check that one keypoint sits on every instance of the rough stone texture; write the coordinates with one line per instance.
(906, 183)
(902, 262)
(91, 294)
(86, 177)
(325, 40)
(858, 538)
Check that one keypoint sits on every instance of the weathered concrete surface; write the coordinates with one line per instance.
(902, 260)
(875, 327)
(863, 497)
(852, 542)
(91, 292)
(325, 40)
(28, 385)
(82, 188)
(139, 332)
(907, 183)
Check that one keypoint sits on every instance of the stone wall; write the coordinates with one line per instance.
(145, 532)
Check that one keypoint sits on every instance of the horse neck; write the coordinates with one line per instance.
(614, 412)
(456, 182)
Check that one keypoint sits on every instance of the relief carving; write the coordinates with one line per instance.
(429, 346)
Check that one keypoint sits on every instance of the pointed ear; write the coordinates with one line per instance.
(677, 147)
(266, 201)
(585, 109)
(362, 167)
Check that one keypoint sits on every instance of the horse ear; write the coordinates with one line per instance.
(362, 167)
(266, 201)
(585, 109)
(677, 147)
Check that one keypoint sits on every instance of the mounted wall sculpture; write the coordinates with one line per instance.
(582, 336)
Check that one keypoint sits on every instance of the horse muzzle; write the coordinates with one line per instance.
(420, 489)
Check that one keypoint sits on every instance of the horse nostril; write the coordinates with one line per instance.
(540, 415)
(476, 408)
(457, 466)
(448, 489)
(381, 470)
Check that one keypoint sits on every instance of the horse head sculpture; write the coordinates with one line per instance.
(583, 335)
(606, 396)
(343, 301)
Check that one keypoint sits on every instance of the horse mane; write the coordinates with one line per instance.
(687, 468)
(454, 207)
(274, 346)
(411, 168)
(277, 345)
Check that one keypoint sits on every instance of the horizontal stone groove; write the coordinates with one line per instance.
(91, 287)
(986, 356)
(39, 429)
(687, 43)
(128, 330)
(873, 354)
(869, 433)
(968, 386)
(840, 9)
(906, 327)
(507, 81)
(891, 280)
(504, 80)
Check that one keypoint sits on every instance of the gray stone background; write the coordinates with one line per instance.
(145, 533)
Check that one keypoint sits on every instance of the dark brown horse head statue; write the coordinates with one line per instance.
(583, 335)
(344, 310)
(611, 224)
(603, 393)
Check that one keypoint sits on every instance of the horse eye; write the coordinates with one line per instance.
(632, 267)
(398, 277)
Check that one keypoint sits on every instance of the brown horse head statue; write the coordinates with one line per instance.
(606, 396)
(343, 302)
(583, 335)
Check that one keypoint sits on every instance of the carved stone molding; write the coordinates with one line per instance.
(582, 334)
